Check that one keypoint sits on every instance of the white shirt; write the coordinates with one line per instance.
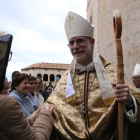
(40, 97)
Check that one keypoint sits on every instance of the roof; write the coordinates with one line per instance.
(47, 66)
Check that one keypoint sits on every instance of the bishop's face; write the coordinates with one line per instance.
(82, 49)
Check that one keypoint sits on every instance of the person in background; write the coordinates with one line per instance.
(49, 91)
(50, 84)
(136, 77)
(44, 92)
(54, 86)
(14, 73)
(10, 83)
(31, 96)
(20, 88)
(5, 87)
(38, 88)
(45, 86)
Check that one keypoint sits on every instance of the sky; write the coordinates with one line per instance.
(38, 31)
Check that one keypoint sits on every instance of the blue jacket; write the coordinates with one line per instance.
(24, 103)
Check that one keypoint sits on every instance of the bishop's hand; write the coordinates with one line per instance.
(122, 94)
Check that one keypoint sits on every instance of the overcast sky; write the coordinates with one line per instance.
(38, 31)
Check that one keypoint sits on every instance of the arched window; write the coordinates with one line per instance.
(58, 77)
(45, 77)
(39, 75)
(51, 77)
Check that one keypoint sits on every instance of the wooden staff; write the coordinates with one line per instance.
(117, 23)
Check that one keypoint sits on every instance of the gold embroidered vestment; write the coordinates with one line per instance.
(100, 120)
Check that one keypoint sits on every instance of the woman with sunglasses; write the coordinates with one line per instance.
(38, 88)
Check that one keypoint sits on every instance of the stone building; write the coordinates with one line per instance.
(48, 72)
(99, 13)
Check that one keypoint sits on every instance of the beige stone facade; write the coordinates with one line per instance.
(99, 13)
(49, 72)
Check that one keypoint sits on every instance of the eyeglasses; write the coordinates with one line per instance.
(32, 83)
(38, 83)
(135, 77)
(79, 41)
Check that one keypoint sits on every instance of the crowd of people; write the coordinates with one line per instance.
(38, 90)
(33, 119)
(47, 90)
(23, 110)
(29, 91)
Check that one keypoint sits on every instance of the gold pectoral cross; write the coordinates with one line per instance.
(69, 20)
(100, 71)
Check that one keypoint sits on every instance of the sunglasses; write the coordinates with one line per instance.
(32, 83)
(38, 83)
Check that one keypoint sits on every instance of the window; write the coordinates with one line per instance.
(39, 75)
(51, 77)
(58, 77)
(45, 77)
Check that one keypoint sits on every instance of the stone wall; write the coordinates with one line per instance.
(99, 13)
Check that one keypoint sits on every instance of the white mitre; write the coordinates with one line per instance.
(75, 25)
(137, 69)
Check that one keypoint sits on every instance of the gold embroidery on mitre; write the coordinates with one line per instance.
(69, 20)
